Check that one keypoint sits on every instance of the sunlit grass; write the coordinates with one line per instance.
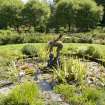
(81, 96)
(71, 70)
(24, 94)
(13, 51)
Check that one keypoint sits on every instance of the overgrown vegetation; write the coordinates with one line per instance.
(30, 50)
(72, 71)
(82, 95)
(91, 51)
(36, 23)
(72, 74)
(12, 37)
(96, 36)
(25, 94)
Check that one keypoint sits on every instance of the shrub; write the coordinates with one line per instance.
(24, 94)
(12, 37)
(76, 70)
(98, 54)
(95, 53)
(92, 52)
(85, 40)
(81, 52)
(66, 90)
(69, 92)
(91, 93)
(71, 71)
(80, 96)
(36, 38)
(9, 37)
(30, 50)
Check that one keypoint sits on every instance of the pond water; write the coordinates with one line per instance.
(47, 89)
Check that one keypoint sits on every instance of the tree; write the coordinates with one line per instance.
(102, 2)
(36, 14)
(10, 11)
(88, 15)
(82, 14)
(65, 13)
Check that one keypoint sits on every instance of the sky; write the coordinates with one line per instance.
(25, 1)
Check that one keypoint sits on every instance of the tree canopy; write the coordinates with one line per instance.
(83, 14)
(36, 13)
(10, 11)
(70, 14)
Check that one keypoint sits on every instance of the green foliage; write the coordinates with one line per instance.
(12, 37)
(62, 15)
(10, 13)
(36, 13)
(91, 93)
(30, 50)
(102, 2)
(71, 71)
(77, 69)
(12, 72)
(80, 95)
(92, 52)
(9, 37)
(8, 70)
(15, 14)
(88, 15)
(66, 90)
(81, 14)
(24, 94)
(37, 38)
(34, 51)
(65, 13)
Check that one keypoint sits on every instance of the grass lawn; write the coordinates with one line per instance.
(13, 51)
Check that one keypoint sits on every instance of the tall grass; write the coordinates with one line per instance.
(81, 96)
(71, 70)
(24, 94)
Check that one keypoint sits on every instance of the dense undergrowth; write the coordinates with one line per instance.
(81, 95)
(74, 86)
(72, 71)
(71, 76)
(11, 37)
(24, 94)
(11, 53)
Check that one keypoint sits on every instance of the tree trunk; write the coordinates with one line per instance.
(103, 19)
(69, 27)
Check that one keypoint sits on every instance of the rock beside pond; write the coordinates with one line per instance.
(52, 98)
(5, 86)
(6, 90)
(5, 83)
